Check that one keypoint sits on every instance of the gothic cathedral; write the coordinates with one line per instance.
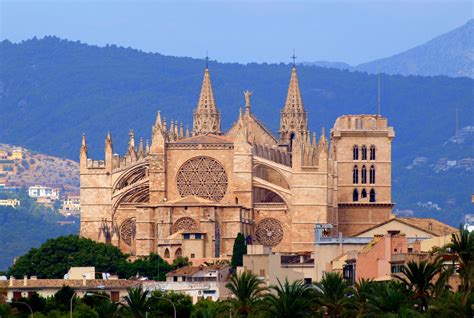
(189, 193)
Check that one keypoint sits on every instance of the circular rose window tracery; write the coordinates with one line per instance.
(185, 224)
(269, 232)
(203, 177)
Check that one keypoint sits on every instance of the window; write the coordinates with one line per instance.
(115, 296)
(364, 174)
(178, 253)
(355, 175)
(198, 236)
(167, 253)
(186, 236)
(372, 195)
(363, 194)
(16, 295)
(372, 174)
(308, 280)
(364, 152)
(372, 152)
(355, 153)
(355, 195)
(192, 255)
(262, 272)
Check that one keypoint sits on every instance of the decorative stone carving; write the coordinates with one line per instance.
(203, 177)
(185, 224)
(269, 232)
(128, 230)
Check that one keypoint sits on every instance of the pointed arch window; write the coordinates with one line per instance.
(355, 152)
(372, 195)
(167, 253)
(355, 175)
(364, 152)
(372, 174)
(363, 194)
(364, 174)
(355, 195)
(178, 253)
(372, 152)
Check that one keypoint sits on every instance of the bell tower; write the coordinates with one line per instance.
(207, 118)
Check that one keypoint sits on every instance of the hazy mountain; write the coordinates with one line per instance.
(450, 54)
(52, 90)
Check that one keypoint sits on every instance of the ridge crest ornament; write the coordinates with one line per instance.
(203, 177)
(269, 232)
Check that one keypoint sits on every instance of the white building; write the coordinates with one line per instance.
(38, 191)
(71, 206)
(10, 202)
(198, 282)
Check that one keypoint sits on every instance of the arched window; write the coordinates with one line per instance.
(178, 252)
(364, 174)
(372, 195)
(355, 152)
(372, 152)
(292, 139)
(355, 175)
(363, 194)
(355, 195)
(372, 174)
(364, 152)
(167, 253)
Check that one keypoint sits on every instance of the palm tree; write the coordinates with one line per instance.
(390, 298)
(107, 309)
(246, 289)
(289, 300)
(137, 302)
(5, 311)
(451, 305)
(462, 244)
(330, 294)
(419, 277)
(358, 304)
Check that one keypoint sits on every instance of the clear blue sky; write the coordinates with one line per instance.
(241, 31)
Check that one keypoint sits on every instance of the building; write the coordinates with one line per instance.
(71, 205)
(17, 154)
(10, 202)
(39, 191)
(198, 282)
(211, 184)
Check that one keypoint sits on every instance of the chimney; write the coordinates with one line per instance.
(12, 279)
(84, 282)
(25, 280)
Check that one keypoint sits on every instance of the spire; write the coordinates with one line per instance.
(158, 122)
(131, 142)
(187, 132)
(206, 117)
(247, 95)
(84, 144)
(322, 139)
(181, 131)
(141, 151)
(294, 102)
(314, 141)
(147, 147)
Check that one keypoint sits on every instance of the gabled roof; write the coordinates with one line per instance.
(206, 139)
(428, 225)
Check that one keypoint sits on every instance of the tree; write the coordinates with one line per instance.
(107, 309)
(358, 304)
(181, 261)
(390, 297)
(289, 300)
(462, 245)
(246, 289)
(330, 294)
(239, 250)
(419, 277)
(208, 309)
(161, 304)
(137, 303)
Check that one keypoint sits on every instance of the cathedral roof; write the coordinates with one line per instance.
(206, 139)
(191, 200)
(294, 102)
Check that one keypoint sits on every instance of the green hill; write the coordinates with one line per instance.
(60, 89)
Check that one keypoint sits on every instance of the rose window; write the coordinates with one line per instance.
(269, 232)
(185, 224)
(203, 177)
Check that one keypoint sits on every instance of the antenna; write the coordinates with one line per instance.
(378, 94)
(294, 58)
(207, 60)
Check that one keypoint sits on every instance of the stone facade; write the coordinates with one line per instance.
(191, 193)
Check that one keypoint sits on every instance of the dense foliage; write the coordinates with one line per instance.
(54, 258)
(239, 250)
(94, 90)
(27, 226)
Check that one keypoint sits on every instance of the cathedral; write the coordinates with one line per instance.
(189, 193)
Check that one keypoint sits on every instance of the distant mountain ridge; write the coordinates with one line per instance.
(60, 89)
(450, 54)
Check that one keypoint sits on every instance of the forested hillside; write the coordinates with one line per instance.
(52, 90)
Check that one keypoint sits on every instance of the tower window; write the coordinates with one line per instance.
(355, 175)
(355, 195)
(363, 194)
(364, 174)
(372, 152)
(355, 153)
(372, 195)
(372, 174)
(364, 152)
